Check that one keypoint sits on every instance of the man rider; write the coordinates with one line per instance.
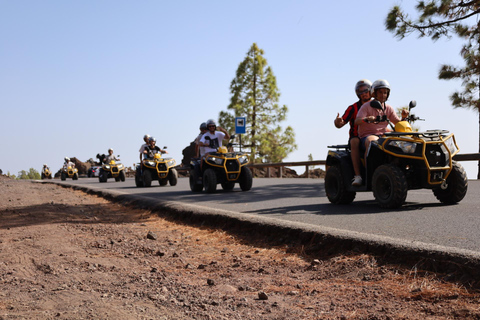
(142, 148)
(200, 151)
(152, 149)
(212, 139)
(110, 156)
(68, 163)
(362, 89)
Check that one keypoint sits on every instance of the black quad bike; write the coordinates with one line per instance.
(112, 169)
(156, 168)
(224, 167)
(399, 161)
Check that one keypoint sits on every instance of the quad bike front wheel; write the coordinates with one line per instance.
(163, 182)
(210, 180)
(389, 186)
(138, 179)
(173, 177)
(246, 179)
(75, 176)
(147, 178)
(194, 186)
(455, 188)
(335, 187)
(122, 175)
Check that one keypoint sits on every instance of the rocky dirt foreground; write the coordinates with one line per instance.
(68, 255)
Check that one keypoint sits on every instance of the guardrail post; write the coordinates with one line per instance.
(280, 172)
(268, 172)
(307, 171)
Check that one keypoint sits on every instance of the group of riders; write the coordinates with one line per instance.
(362, 117)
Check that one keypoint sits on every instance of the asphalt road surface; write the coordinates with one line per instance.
(422, 219)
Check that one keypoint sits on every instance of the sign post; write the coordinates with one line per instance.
(240, 128)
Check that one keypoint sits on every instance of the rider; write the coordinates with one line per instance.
(212, 139)
(142, 148)
(362, 89)
(110, 156)
(68, 163)
(152, 149)
(200, 151)
(368, 128)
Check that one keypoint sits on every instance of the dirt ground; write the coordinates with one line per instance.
(68, 255)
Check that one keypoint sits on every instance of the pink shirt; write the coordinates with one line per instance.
(378, 129)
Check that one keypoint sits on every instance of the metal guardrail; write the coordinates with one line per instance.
(280, 165)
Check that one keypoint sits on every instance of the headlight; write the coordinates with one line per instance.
(150, 163)
(407, 147)
(107, 167)
(243, 159)
(450, 143)
(120, 166)
(171, 163)
(218, 161)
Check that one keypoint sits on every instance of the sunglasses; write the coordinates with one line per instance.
(363, 91)
(211, 126)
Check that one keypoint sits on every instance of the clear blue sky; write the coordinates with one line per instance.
(79, 77)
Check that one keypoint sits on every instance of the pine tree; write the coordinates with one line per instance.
(442, 18)
(255, 96)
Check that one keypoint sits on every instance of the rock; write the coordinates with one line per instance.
(151, 235)
(262, 295)
(210, 282)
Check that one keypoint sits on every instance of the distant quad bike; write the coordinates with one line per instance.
(69, 172)
(46, 174)
(156, 168)
(112, 170)
(224, 167)
(399, 161)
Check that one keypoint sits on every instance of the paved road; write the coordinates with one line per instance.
(422, 219)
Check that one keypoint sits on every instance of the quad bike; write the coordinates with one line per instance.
(224, 167)
(156, 168)
(69, 172)
(112, 170)
(46, 173)
(399, 161)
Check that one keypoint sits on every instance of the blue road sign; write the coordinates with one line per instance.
(240, 125)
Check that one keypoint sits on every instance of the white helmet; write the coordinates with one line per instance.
(110, 150)
(362, 83)
(146, 137)
(67, 159)
(379, 84)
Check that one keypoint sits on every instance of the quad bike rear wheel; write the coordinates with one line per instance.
(389, 186)
(210, 180)
(103, 176)
(63, 176)
(455, 187)
(246, 179)
(335, 187)
(194, 186)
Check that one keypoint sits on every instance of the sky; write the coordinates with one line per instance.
(79, 77)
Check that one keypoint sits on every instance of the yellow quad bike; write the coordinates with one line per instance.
(156, 168)
(112, 170)
(69, 172)
(224, 167)
(399, 161)
(46, 174)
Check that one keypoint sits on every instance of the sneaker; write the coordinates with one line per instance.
(357, 181)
